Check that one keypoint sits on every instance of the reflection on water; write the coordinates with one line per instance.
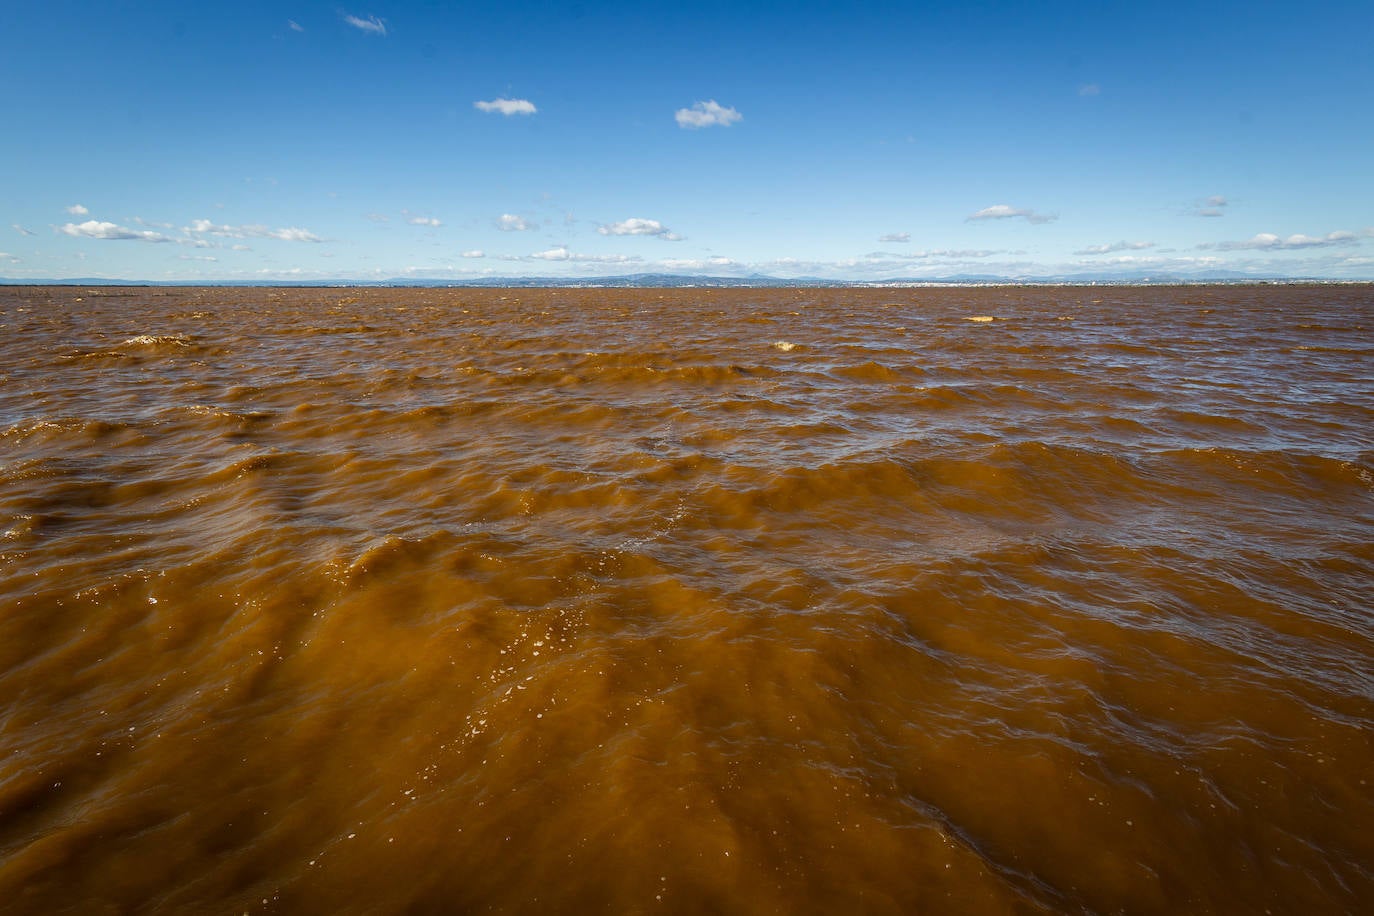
(941, 600)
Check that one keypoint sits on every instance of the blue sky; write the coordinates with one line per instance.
(376, 140)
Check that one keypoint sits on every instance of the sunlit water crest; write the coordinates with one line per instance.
(831, 601)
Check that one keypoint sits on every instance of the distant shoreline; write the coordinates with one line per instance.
(677, 282)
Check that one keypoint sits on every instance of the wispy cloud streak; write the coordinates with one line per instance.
(1002, 211)
(288, 234)
(371, 24)
(1268, 241)
(1115, 246)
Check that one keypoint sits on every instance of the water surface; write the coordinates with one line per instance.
(885, 601)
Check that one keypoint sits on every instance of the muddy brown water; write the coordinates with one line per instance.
(1020, 600)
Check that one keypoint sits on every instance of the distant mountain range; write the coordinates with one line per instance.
(678, 280)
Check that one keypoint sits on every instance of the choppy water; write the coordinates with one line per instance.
(628, 601)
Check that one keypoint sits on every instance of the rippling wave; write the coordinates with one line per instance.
(889, 601)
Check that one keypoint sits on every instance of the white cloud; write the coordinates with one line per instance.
(1089, 89)
(895, 237)
(21, 230)
(507, 106)
(1213, 206)
(239, 248)
(77, 210)
(561, 253)
(958, 254)
(92, 229)
(1138, 262)
(294, 25)
(697, 263)
(1115, 246)
(707, 114)
(293, 234)
(509, 222)
(288, 234)
(193, 257)
(475, 253)
(636, 226)
(371, 24)
(1268, 241)
(1002, 211)
(378, 217)
(424, 221)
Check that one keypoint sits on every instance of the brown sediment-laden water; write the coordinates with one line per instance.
(971, 600)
